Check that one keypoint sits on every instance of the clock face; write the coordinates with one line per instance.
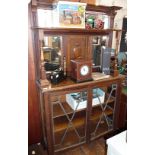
(84, 70)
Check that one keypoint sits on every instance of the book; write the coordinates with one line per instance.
(99, 76)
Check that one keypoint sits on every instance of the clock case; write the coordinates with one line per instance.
(76, 65)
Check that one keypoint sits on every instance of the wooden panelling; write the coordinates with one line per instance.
(123, 111)
(34, 124)
(76, 47)
(77, 43)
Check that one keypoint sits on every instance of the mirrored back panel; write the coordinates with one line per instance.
(98, 44)
(52, 49)
(101, 54)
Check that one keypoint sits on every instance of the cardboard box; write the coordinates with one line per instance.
(74, 98)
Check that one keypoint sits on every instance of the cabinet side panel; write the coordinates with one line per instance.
(34, 124)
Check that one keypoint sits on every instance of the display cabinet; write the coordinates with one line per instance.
(77, 113)
(73, 113)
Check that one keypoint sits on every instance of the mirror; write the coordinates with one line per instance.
(98, 42)
(52, 57)
(101, 54)
(52, 49)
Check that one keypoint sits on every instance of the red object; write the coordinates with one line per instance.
(88, 26)
(98, 24)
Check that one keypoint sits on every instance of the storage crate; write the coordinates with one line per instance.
(75, 98)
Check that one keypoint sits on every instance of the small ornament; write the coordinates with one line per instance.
(90, 21)
(88, 26)
(98, 24)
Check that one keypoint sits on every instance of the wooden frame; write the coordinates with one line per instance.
(68, 87)
(49, 91)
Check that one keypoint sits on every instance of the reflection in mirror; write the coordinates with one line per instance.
(101, 55)
(53, 58)
(94, 18)
(98, 44)
(52, 49)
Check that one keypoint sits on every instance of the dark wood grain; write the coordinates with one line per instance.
(76, 46)
(69, 84)
(34, 124)
(75, 31)
(48, 123)
(123, 111)
(57, 112)
(111, 33)
(85, 121)
(89, 109)
(61, 123)
(97, 147)
(90, 7)
(117, 105)
(102, 8)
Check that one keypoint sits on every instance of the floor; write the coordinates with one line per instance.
(95, 148)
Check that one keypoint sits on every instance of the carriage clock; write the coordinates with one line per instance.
(81, 70)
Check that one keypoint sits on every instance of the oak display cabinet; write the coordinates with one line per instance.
(65, 127)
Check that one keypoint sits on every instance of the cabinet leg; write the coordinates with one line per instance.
(49, 129)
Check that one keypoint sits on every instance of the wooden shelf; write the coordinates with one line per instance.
(70, 140)
(101, 131)
(89, 7)
(96, 113)
(58, 112)
(101, 8)
(61, 123)
(61, 126)
(68, 84)
(85, 120)
(75, 31)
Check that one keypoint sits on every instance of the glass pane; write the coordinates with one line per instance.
(69, 117)
(52, 49)
(97, 20)
(52, 53)
(102, 116)
(99, 43)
